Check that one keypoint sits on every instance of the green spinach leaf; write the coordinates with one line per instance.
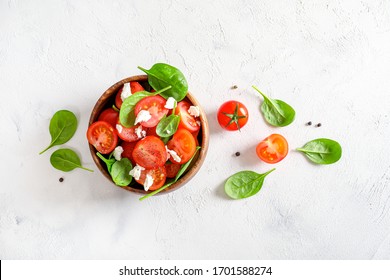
(182, 169)
(109, 162)
(120, 172)
(276, 112)
(162, 75)
(62, 127)
(245, 184)
(322, 151)
(126, 113)
(167, 126)
(66, 160)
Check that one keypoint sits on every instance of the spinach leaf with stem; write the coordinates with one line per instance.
(322, 151)
(126, 113)
(62, 127)
(66, 160)
(162, 75)
(119, 170)
(109, 162)
(167, 126)
(276, 112)
(244, 184)
(182, 170)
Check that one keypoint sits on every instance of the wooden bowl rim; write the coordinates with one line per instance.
(199, 158)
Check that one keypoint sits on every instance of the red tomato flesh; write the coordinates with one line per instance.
(109, 115)
(184, 144)
(150, 152)
(186, 120)
(158, 174)
(134, 87)
(127, 133)
(272, 149)
(172, 169)
(128, 148)
(102, 136)
(155, 106)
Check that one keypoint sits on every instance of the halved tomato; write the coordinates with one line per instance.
(127, 133)
(158, 175)
(155, 106)
(272, 149)
(184, 144)
(150, 152)
(109, 115)
(172, 169)
(102, 136)
(128, 148)
(187, 121)
(134, 87)
(152, 131)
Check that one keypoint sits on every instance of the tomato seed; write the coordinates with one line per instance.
(237, 154)
(61, 179)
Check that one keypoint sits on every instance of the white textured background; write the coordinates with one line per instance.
(329, 59)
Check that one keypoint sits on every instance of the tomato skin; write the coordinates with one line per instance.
(152, 131)
(134, 87)
(102, 136)
(172, 169)
(272, 149)
(186, 120)
(184, 144)
(128, 148)
(236, 118)
(158, 174)
(127, 133)
(150, 152)
(109, 115)
(155, 106)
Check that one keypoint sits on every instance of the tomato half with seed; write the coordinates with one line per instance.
(128, 148)
(158, 175)
(187, 121)
(272, 149)
(155, 106)
(172, 169)
(109, 115)
(184, 144)
(150, 152)
(102, 136)
(134, 87)
(232, 115)
(127, 133)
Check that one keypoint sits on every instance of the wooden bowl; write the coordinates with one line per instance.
(106, 101)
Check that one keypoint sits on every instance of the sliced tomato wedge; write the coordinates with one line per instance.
(187, 121)
(128, 148)
(172, 169)
(134, 87)
(184, 144)
(150, 152)
(127, 133)
(272, 149)
(102, 136)
(109, 115)
(158, 175)
(155, 106)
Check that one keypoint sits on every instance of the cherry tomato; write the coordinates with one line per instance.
(184, 144)
(126, 133)
(158, 175)
(172, 169)
(186, 120)
(134, 87)
(155, 106)
(128, 148)
(272, 149)
(150, 152)
(152, 131)
(232, 115)
(102, 136)
(109, 115)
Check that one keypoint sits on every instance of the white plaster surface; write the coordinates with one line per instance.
(329, 59)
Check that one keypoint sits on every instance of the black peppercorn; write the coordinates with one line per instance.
(308, 123)
(61, 179)
(318, 124)
(237, 154)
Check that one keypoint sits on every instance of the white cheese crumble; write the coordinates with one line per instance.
(143, 116)
(126, 91)
(119, 128)
(170, 103)
(199, 123)
(140, 132)
(173, 154)
(136, 171)
(148, 182)
(118, 153)
(194, 111)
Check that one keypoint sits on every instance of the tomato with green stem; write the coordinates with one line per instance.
(232, 115)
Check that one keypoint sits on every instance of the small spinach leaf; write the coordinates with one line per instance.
(66, 160)
(276, 112)
(126, 113)
(162, 75)
(168, 125)
(62, 127)
(109, 162)
(244, 184)
(120, 172)
(322, 151)
(182, 169)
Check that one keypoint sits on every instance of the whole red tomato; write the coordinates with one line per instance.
(232, 115)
